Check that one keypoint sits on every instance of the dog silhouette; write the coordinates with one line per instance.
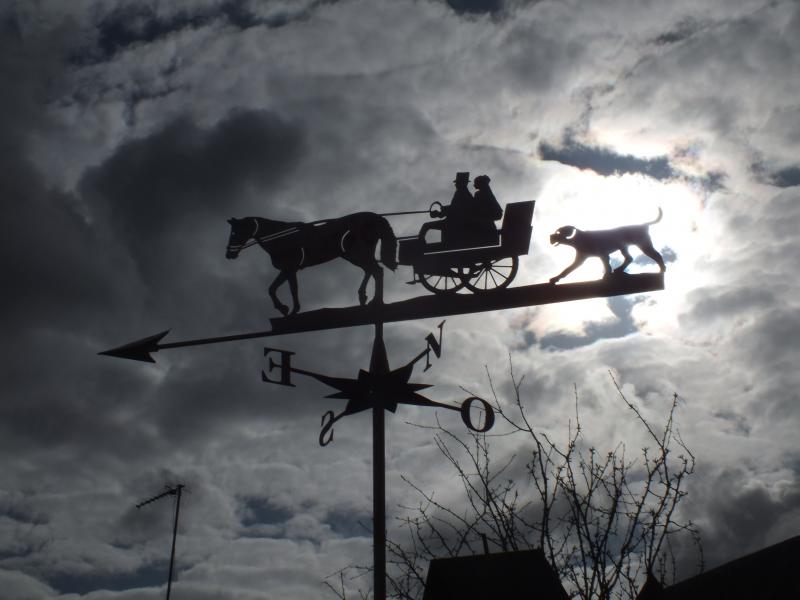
(601, 243)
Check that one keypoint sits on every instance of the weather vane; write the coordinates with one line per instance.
(471, 254)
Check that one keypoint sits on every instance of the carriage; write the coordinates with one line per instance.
(490, 264)
(481, 264)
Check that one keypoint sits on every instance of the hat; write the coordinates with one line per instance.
(483, 178)
(462, 177)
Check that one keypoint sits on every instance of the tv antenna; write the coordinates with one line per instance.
(170, 491)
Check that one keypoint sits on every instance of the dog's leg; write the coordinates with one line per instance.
(606, 264)
(628, 260)
(579, 260)
(650, 251)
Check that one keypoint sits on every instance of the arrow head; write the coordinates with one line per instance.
(138, 350)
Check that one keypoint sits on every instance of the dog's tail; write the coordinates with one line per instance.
(657, 219)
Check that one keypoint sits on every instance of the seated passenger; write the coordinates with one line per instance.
(468, 220)
(487, 210)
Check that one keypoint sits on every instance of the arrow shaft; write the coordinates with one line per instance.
(217, 340)
(422, 307)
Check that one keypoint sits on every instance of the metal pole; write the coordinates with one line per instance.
(178, 489)
(379, 363)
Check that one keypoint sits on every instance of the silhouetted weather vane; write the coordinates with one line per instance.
(471, 255)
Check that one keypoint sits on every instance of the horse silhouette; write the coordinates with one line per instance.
(295, 246)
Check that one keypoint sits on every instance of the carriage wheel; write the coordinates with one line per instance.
(493, 274)
(456, 279)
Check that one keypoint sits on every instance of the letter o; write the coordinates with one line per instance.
(488, 421)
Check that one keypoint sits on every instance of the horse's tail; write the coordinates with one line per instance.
(388, 243)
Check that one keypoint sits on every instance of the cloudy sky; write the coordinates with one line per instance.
(132, 130)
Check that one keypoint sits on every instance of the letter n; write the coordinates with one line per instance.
(433, 344)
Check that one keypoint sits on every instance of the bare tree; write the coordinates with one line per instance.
(603, 520)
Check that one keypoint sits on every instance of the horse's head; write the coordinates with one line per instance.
(241, 231)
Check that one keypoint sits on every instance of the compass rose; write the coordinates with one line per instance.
(379, 387)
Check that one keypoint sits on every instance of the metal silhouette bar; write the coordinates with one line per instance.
(175, 491)
(443, 305)
(421, 307)
(379, 363)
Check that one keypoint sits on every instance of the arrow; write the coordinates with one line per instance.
(422, 307)
(141, 349)
(138, 350)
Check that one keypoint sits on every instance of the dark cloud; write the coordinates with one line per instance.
(149, 185)
(32, 68)
(604, 161)
(713, 181)
(476, 6)
(721, 303)
(350, 524)
(71, 261)
(682, 31)
(134, 24)
(607, 162)
(62, 275)
(738, 423)
(152, 189)
(48, 249)
(152, 575)
(68, 271)
(788, 177)
(743, 514)
(259, 511)
(623, 325)
(48, 253)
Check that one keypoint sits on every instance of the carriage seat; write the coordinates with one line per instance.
(515, 233)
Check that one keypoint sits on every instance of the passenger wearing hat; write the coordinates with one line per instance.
(456, 214)
(469, 220)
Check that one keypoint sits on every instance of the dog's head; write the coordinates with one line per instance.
(563, 235)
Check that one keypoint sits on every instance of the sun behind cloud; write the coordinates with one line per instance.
(590, 201)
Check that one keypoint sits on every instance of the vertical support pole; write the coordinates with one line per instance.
(378, 364)
(178, 489)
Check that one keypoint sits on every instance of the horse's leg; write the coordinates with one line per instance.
(282, 276)
(362, 289)
(374, 270)
(377, 276)
(371, 269)
(361, 253)
(293, 287)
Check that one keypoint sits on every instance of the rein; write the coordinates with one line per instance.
(257, 239)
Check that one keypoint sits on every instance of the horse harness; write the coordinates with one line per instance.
(254, 238)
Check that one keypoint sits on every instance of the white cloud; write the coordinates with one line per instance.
(389, 99)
